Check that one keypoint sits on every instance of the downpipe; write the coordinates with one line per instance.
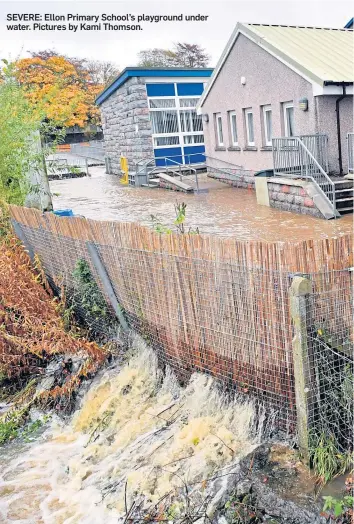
(339, 139)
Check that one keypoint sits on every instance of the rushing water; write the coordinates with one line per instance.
(219, 209)
(138, 435)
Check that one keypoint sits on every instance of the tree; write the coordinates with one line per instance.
(183, 55)
(63, 90)
(101, 73)
(191, 55)
(97, 72)
(20, 124)
(156, 58)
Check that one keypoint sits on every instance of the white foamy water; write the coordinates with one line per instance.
(137, 436)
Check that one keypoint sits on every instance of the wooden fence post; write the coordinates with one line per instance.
(300, 288)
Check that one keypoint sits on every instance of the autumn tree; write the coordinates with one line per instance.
(97, 72)
(182, 55)
(66, 95)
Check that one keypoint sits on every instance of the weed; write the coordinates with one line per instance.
(30, 431)
(326, 459)
(10, 424)
(179, 222)
(242, 510)
(340, 509)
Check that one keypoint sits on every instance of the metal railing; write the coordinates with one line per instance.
(318, 147)
(293, 159)
(61, 166)
(350, 146)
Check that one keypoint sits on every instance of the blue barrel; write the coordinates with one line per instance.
(64, 212)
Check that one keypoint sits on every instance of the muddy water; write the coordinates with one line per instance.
(218, 209)
(138, 436)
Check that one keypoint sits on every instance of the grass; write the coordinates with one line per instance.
(326, 459)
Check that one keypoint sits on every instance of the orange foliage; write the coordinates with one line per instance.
(31, 329)
(66, 95)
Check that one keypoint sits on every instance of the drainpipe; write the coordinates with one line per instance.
(338, 101)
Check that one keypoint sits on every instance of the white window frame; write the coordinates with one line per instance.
(286, 106)
(233, 138)
(267, 139)
(219, 130)
(178, 108)
(248, 112)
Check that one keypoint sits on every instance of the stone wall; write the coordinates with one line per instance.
(126, 124)
(292, 196)
(288, 195)
(234, 178)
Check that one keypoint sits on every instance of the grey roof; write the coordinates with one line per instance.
(318, 54)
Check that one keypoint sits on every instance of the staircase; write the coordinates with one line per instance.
(306, 157)
(344, 195)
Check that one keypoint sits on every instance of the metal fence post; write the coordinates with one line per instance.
(22, 236)
(300, 288)
(102, 272)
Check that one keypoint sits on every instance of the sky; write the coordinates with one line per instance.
(122, 47)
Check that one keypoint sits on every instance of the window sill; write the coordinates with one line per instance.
(234, 148)
(220, 148)
(266, 148)
(250, 148)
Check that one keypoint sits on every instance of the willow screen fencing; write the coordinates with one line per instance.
(217, 306)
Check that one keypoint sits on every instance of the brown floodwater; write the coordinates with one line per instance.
(218, 209)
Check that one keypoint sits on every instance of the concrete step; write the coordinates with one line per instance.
(345, 199)
(347, 190)
(345, 210)
(174, 183)
(343, 184)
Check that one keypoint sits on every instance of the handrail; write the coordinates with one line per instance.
(299, 161)
(350, 146)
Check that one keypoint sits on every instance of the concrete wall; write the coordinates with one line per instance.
(327, 123)
(126, 124)
(268, 81)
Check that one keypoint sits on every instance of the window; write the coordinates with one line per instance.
(233, 128)
(190, 121)
(288, 111)
(249, 127)
(193, 139)
(188, 102)
(218, 129)
(267, 125)
(162, 103)
(164, 122)
(166, 141)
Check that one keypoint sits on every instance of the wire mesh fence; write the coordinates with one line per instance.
(330, 353)
(220, 307)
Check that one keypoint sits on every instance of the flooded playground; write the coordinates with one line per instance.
(218, 209)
